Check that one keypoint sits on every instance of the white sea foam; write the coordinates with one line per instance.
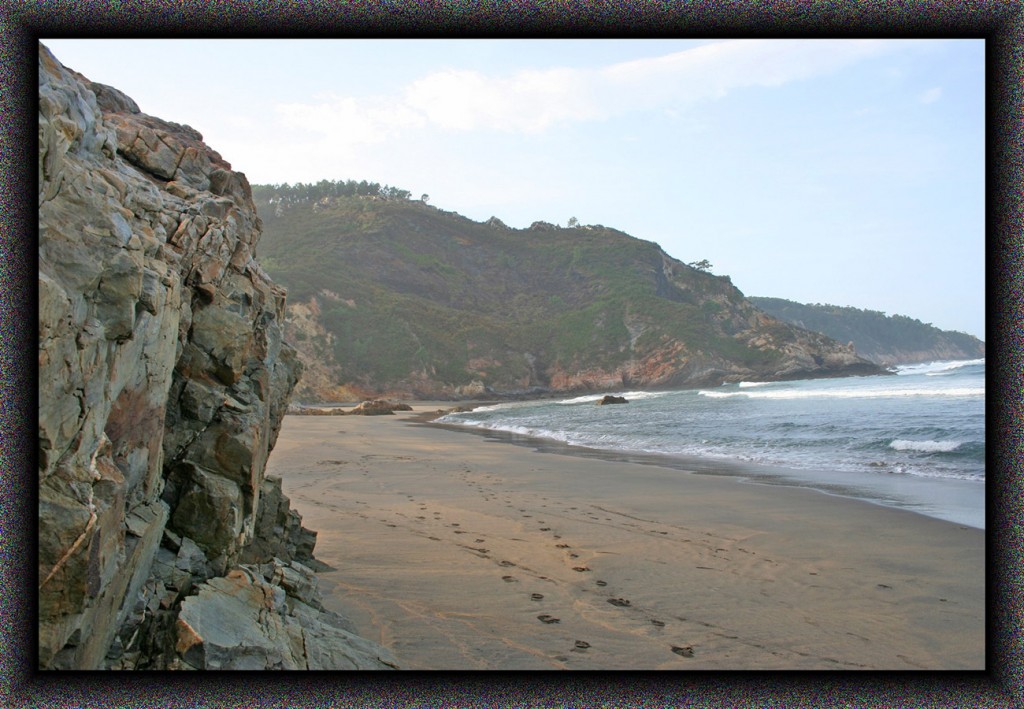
(847, 393)
(461, 416)
(629, 395)
(938, 368)
(937, 475)
(924, 446)
(831, 434)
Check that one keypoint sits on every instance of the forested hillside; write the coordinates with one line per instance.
(885, 339)
(389, 294)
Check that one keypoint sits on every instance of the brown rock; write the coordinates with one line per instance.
(163, 374)
(378, 407)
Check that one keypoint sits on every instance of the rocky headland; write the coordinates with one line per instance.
(391, 297)
(163, 380)
(887, 340)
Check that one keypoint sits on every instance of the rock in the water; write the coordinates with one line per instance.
(609, 399)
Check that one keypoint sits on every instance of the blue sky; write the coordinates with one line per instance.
(847, 172)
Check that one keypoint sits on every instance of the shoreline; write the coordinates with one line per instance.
(440, 542)
(743, 471)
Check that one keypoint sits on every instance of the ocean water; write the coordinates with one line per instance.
(915, 440)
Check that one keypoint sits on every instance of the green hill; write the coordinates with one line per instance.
(885, 339)
(388, 294)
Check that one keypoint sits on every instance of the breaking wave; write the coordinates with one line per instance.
(629, 395)
(925, 446)
(846, 393)
(944, 368)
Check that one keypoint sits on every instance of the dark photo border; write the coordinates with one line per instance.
(1000, 23)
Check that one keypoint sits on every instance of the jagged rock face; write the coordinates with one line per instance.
(163, 377)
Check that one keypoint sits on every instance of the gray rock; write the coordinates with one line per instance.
(163, 381)
(242, 622)
(163, 375)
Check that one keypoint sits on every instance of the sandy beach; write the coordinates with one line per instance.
(459, 552)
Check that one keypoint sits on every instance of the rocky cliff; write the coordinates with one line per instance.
(163, 379)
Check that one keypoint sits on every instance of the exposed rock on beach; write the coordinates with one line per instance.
(163, 380)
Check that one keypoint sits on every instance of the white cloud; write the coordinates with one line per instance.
(532, 101)
(931, 95)
(349, 120)
(528, 101)
(336, 134)
(714, 70)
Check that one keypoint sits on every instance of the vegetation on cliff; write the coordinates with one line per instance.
(405, 297)
(885, 339)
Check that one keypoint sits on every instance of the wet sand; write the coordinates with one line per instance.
(458, 552)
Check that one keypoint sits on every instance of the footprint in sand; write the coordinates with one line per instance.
(621, 602)
(477, 541)
(574, 556)
(561, 546)
(436, 539)
(545, 529)
(536, 596)
(581, 568)
(684, 651)
(545, 618)
(601, 583)
(505, 563)
(508, 579)
(582, 644)
(657, 623)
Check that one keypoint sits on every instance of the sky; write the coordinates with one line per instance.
(848, 172)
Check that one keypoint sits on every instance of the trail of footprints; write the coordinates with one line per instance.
(580, 646)
(486, 484)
